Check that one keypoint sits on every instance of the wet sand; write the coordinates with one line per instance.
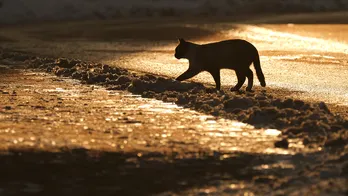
(81, 135)
(310, 129)
(43, 112)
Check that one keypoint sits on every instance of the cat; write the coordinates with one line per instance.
(233, 54)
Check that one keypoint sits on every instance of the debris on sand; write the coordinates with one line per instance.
(284, 143)
(295, 117)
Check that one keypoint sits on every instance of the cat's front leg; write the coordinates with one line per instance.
(187, 74)
(216, 76)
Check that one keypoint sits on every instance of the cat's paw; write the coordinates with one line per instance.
(249, 90)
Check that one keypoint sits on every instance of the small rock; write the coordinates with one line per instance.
(281, 123)
(125, 86)
(335, 128)
(324, 107)
(294, 130)
(312, 126)
(65, 63)
(215, 112)
(306, 141)
(76, 75)
(314, 116)
(306, 107)
(336, 142)
(264, 103)
(261, 97)
(242, 117)
(327, 174)
(264, 179)
(91, 79)
(290, 112)
(58, 71)
(276, 103)
(148, 94)
(105, 68)
(288, 103)
(123, 79)
(211, 90)
(205, 107)
(163, 80)
(151, 77)
(298, 104)
(236, 110)
(239, 102)
(171, 93)
(264, 116)
(183, 99)
(115, 87)
(284, 143)
(48, 69)
(84, 75)
(339, 139)
(115, 70)
(345, 124)
(137, 85)
(101, 78)
(7, 107)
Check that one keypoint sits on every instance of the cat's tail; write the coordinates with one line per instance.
(259, 73)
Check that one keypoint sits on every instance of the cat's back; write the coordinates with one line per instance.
(232, 44)
(233, 49)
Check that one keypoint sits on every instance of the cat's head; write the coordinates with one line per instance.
(182, 49)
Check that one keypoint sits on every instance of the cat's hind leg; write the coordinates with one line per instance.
(249, 74)
(241, 79)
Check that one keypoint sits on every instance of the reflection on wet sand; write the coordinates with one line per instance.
(127, 136)
(289, 61)
(91, 117)
(287, 41)
(292, 56)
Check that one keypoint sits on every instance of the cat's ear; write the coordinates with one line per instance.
(181, 40)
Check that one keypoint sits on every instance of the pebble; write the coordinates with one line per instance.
(238, 102)
(324, 107)
(7, 107)
(294, 130)
(284, 143)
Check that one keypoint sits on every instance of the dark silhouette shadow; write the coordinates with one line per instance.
(244, 54)
(82, 172)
